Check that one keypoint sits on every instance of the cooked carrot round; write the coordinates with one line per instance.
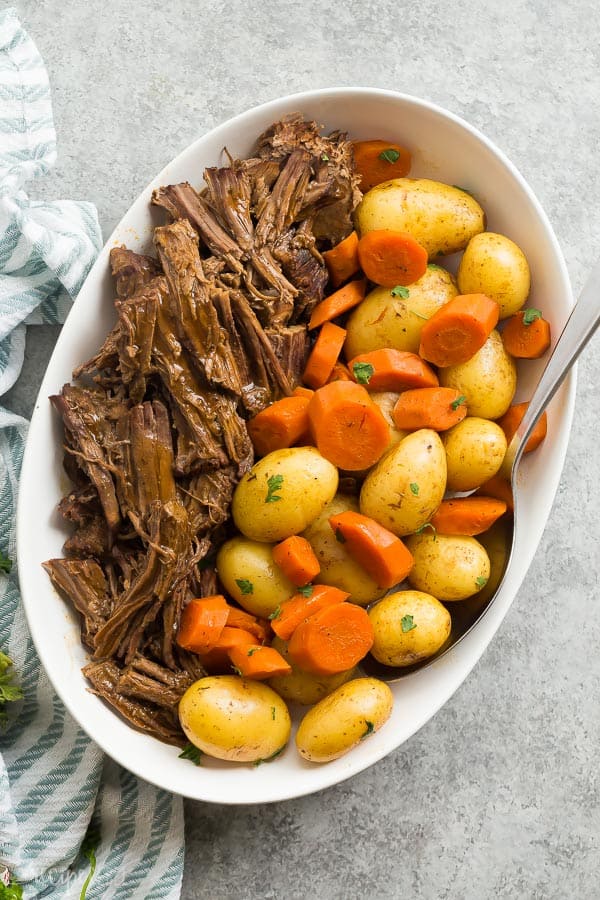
(467, 515)
(458, 330)
(390, 257)
(342, 260)
(438, 408)
(526, 335)
(379, 161)
(333, 640)
(511, 420)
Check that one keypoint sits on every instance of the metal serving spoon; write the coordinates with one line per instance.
(500, 544)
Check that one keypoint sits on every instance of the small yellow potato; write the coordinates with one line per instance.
(283, 493)
(235, 718)
(442, 218)
(386, 401)
(303, 687)
(385, 319)
(492, 264)
(475, 450)
(447, 566)
(250, 576)
(343, 719)
(338, 568)
(488, 380)
(409, 626)
(407, 485)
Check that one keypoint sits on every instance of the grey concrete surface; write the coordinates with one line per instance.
(498, 796)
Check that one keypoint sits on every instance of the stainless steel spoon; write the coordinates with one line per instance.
(580, 326)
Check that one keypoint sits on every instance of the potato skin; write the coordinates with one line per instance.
(475, 449)
(303, 687)
(338, 568)
(492, 264)
(386, 401)
(442, 218)
(309, 483)
(395, 647)
(450, 567)
(234, 718)
(488, 380)
(383, 320)
(343, 719)
(243, 559)
(407, 485)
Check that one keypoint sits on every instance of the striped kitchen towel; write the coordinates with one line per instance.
(57, 792)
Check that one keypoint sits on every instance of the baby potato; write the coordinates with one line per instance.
(475, 449)
(492, 264)
(407, 485)
(250, 576)
(235, 718)
(303, 687)
(283, 493)
(488, 380)
(409, 626)
(383, 320)
(386, 401)
(450, 567)
(343, 719)
(440, 217)
(338, 568)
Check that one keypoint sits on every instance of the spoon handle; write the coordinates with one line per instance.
(580, 326)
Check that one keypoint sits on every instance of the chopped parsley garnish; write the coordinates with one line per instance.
(5, 563)
(10, 890)
(414, 488)
(9, 692)
(390, 155)
(481, 581)
(274, 484)
(400, 291)
(433, 266)
(339, 536)
(276, 613)
(363, 372)
(531, 314)
(190, 751)
(370, 729)
(306, 591)
(90, 844)
(324, 157)
(407, 623)
(252, 651)
(458, 402)
(245, 586)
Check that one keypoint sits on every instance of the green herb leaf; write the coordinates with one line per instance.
(370, 729)
(427, 525)
(400, 291)
(274, 484)
(245, 586)
(273, 711)
(414, 488)
(407, 623)
(5, 563)
(458, 402)
(237, 671)
(10, 891)
(339, 536)
(276, 613)
(259, 762)
(306, 591)
(363, 372)
(390, 155)
(324, 157)
(9, 692)
(89, 845)
(433, 266)
(531, 314)
(481, 581)
(252, 651)
(190, 751)
(463, 189)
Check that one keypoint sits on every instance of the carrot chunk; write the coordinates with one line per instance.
(499, 488)
(300, 391)
(279, 425)
(348, 428)
(332, 640)
(342, 260)
(294, 611)
(438, 408)
(202, 622)
(258, 662)
(392, 370)
(457, 330)
(377, 550)
(391, 257)
(467, 515)
(379, 161)
(340, 372)
(216, 660)
(239, 618)
(526, 334)
(337, 304)
(324, 355)
(296, 559)
(511, 420)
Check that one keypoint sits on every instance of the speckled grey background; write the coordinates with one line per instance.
(498, 796)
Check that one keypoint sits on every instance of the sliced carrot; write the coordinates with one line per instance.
(467, 515)
(340, 372)
(511, 420)
(457, 330)
(216, 660)
(294, 611)
(239, 618)
(258, 662)
(300, 391)
(526, 335)
(337, 304)
(379, 161)
(391, 257)
(279, 425)
(347, 427)
(342, 260)
(377, 550)
(392, 370)
(438, 408)
(333, 640)
(202, 622)
(296, 559)
(324, 355)
(499, 488)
